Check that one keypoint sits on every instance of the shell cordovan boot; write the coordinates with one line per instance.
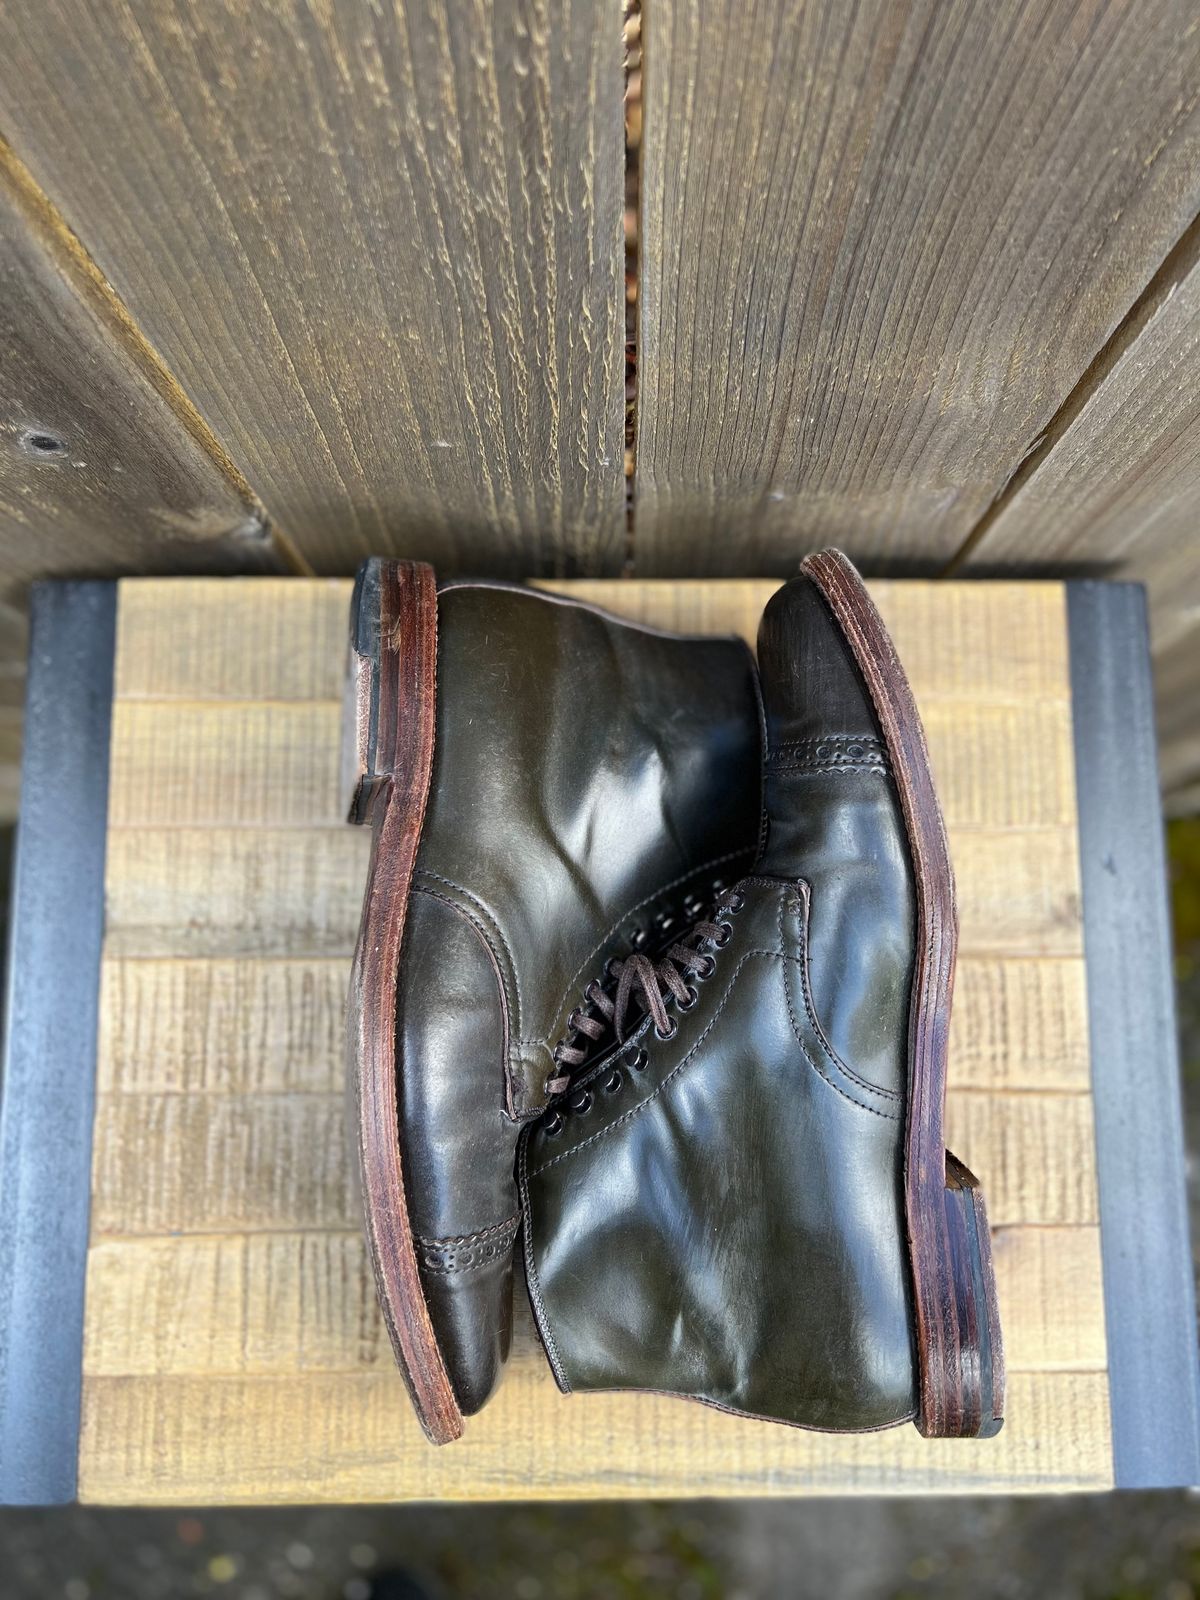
(747, 1200)
(550, 788)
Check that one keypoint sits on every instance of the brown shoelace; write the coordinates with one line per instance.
(653, 984)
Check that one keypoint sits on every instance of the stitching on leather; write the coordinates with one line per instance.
(532, 1281)
(888, 1116)
(632, 911)
(811, 1010)
(511, 1223)
(485, 911)
(466, 1258)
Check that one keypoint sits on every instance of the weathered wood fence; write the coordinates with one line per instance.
(286, 283)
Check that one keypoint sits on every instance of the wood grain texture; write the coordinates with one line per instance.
(274, 1304)
(104, 467)
(337, 1437)
(233, 1348)
(379, 246)
(203, 891)
(855, 331)
(228, 1163)
(1115, 492)
(253, 1025)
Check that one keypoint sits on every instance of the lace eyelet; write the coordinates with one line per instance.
(613, 1082)
(717, 885)
(727, 931)
(666, 1033)
(700, 974)
(573, 1020)
(638, 938)
(612, 968)
(690, 1002)
(582, 1101)
(735, 903)
(637, 1061)
(693, 906)
(553, 1125)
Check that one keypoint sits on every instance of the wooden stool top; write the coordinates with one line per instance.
(232, 1349)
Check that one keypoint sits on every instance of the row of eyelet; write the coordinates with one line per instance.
(636, 1061)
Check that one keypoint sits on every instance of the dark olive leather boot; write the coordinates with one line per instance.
(549, 786)
(751, 1204)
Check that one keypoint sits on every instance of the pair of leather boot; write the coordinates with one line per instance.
(653, 982)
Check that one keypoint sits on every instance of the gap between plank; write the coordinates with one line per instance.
(1175, 267)
(633, 184)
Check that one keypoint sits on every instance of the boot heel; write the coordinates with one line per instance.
(962, 1360)
(381, 716)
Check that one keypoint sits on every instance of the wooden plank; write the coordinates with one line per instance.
(235, 892)
(297, 891)
(195, 763)
(106, 466)
(1036, 1154)
(200, 1163)
(250, 1026)
(272, 1304)
(267, 640)
(181, 1441)
(225, 639)
(178, 763)
(245, 1025)
(388, 267)
(1020, 1024)
(220, 1164)
(854, 331)
(1115, 490)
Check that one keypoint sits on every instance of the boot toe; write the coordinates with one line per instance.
(471, 1311)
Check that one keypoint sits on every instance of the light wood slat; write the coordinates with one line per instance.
(274, 1304)
(226, 764)
(855, 330)
(292, 891)
(276, 1162)
(1034, 1153)
(180, 1441)
(263, 640)
(222, 639)
(225, 1026)
(182, 763)
(182, 1163)
(1051, 1292)
(388, 270)
(1020, 1024)
(104, 467)
(235, 892)
(229, 1026)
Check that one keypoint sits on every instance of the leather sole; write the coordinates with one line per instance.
(389, 738)
(959, 1346)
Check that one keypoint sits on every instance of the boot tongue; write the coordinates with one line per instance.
(821, 727)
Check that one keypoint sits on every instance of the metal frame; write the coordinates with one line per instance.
(1149, 1294)
(47, 1087)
